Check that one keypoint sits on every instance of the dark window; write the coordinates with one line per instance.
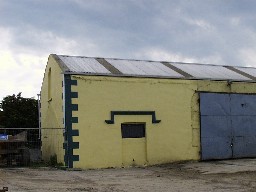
(133, 130)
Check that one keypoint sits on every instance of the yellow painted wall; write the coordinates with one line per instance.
(176, 103)
(51, 113)
(101, 143)
(134, 152)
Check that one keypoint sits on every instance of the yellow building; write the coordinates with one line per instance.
(119, 113)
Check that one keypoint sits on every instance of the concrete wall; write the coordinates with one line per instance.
(51, 113)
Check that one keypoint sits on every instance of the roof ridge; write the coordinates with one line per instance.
(171, 62)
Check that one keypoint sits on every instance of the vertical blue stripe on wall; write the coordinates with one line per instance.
(69, 145)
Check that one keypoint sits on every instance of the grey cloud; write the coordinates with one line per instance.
(115, 28)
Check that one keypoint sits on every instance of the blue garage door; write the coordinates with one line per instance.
(228, 126)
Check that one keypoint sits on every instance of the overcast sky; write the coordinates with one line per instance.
(204, 31)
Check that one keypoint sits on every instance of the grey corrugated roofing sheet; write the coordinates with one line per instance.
(141, 68)
(249, 70)
(83, 64)
(131, 67)
(209, 71)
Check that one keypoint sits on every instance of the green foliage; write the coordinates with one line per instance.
(54, 162)
(17, 112)
(1, 119)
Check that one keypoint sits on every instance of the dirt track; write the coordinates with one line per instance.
(233, 175)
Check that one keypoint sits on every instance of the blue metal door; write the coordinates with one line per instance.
(243, 120)
(215, 126)
(228, 125)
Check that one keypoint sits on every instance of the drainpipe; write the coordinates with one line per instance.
(39, 115)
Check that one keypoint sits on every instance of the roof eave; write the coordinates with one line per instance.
(156, 77)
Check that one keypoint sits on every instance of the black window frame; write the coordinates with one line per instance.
(133, 130)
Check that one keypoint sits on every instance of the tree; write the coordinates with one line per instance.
(1, 119)
(18, 112)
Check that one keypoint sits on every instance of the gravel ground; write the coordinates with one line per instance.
(230, 175)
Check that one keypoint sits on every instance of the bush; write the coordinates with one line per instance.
(54, 162)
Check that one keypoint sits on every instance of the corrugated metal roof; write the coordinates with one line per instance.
(83, 64)
(137, 68)
(249, 70)
(209, 71)
(131, 67)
